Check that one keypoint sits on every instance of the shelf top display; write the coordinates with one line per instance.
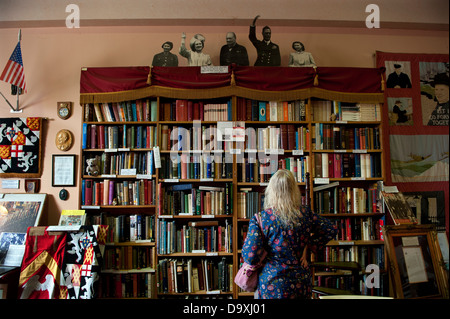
(116, 84)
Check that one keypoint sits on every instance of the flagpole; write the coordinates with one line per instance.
(18, 89)
(12, 108)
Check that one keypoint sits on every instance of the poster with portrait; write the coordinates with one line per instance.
(398, 74)
(434, 93)
(400, 111)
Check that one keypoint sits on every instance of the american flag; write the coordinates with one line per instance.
(13, 72)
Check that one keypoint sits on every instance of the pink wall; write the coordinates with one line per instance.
(53, 58)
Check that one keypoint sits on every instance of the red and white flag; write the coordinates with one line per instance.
(13, 72)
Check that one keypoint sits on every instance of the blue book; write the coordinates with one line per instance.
(85, 134)
(262, 111)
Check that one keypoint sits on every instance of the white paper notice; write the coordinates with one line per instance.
(415, 265)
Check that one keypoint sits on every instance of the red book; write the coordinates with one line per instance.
(93, 136)
(88, 184)
(196, 111)
(101, 137)
(181, 110)
(190, 111)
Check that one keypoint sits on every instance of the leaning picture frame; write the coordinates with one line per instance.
(415, 262)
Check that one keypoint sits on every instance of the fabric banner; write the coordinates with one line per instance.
(41, 264)
(415, 122)
(20, 147)
(82, 262)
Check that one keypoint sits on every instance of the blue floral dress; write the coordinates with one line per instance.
(282, 276)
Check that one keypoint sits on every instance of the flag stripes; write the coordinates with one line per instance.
(13, 72)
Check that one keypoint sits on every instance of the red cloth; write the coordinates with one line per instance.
(117, 79)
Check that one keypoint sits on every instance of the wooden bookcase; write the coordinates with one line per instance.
(192, 165)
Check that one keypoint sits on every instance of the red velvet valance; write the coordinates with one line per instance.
(264, 83)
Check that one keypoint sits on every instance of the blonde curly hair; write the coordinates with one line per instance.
(284, 197)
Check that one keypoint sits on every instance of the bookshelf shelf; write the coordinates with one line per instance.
(166, 119)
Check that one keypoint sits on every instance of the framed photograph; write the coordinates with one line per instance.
(416, 265)
(32, 185)
(17, 213)
(63, 170)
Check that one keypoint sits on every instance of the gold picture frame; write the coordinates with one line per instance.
(415, 262)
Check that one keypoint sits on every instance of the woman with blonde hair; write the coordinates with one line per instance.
(287, 233)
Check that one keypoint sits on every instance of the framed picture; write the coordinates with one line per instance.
(63, 170)
(32, 185)
(17, 213)
(416, 264)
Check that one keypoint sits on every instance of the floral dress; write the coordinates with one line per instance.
(282, 276)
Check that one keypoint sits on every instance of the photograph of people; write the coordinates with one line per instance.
(268, 52)
(300, 58)
(195, 56)
(440, 114)
(233, 52)
(398, 79)
(165, 58)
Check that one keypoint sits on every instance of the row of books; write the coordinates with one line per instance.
(194, 237)
(259, 170)
(100, 136)
(196, 137)
(334, 199)
(197, 166)
(129, 258)
(249, 202)
(363, 255)
(253, 110)
(342, 165)
(338, 137)
(322, 110)
(195, 275)
(190, 110)
(128, 111)
(190, 200)
(115, 192)
(129, 228)
(367, 228)
(113, 164)
(128, 285)
(285, 137)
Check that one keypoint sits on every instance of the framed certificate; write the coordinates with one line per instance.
(63, 172)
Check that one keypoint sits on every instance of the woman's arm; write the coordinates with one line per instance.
(253, 249)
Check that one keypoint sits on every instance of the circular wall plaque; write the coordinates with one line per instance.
(64, 140)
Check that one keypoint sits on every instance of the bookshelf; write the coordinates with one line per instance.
(183, 170)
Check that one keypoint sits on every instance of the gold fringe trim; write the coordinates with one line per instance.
(174, 93)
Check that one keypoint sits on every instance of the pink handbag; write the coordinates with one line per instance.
(247, 276)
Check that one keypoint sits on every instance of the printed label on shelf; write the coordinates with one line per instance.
(128, 171)
(171, 180)
(143, 176)
(322, 180)
(346, 243)
(360, 151)
(297, 152)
